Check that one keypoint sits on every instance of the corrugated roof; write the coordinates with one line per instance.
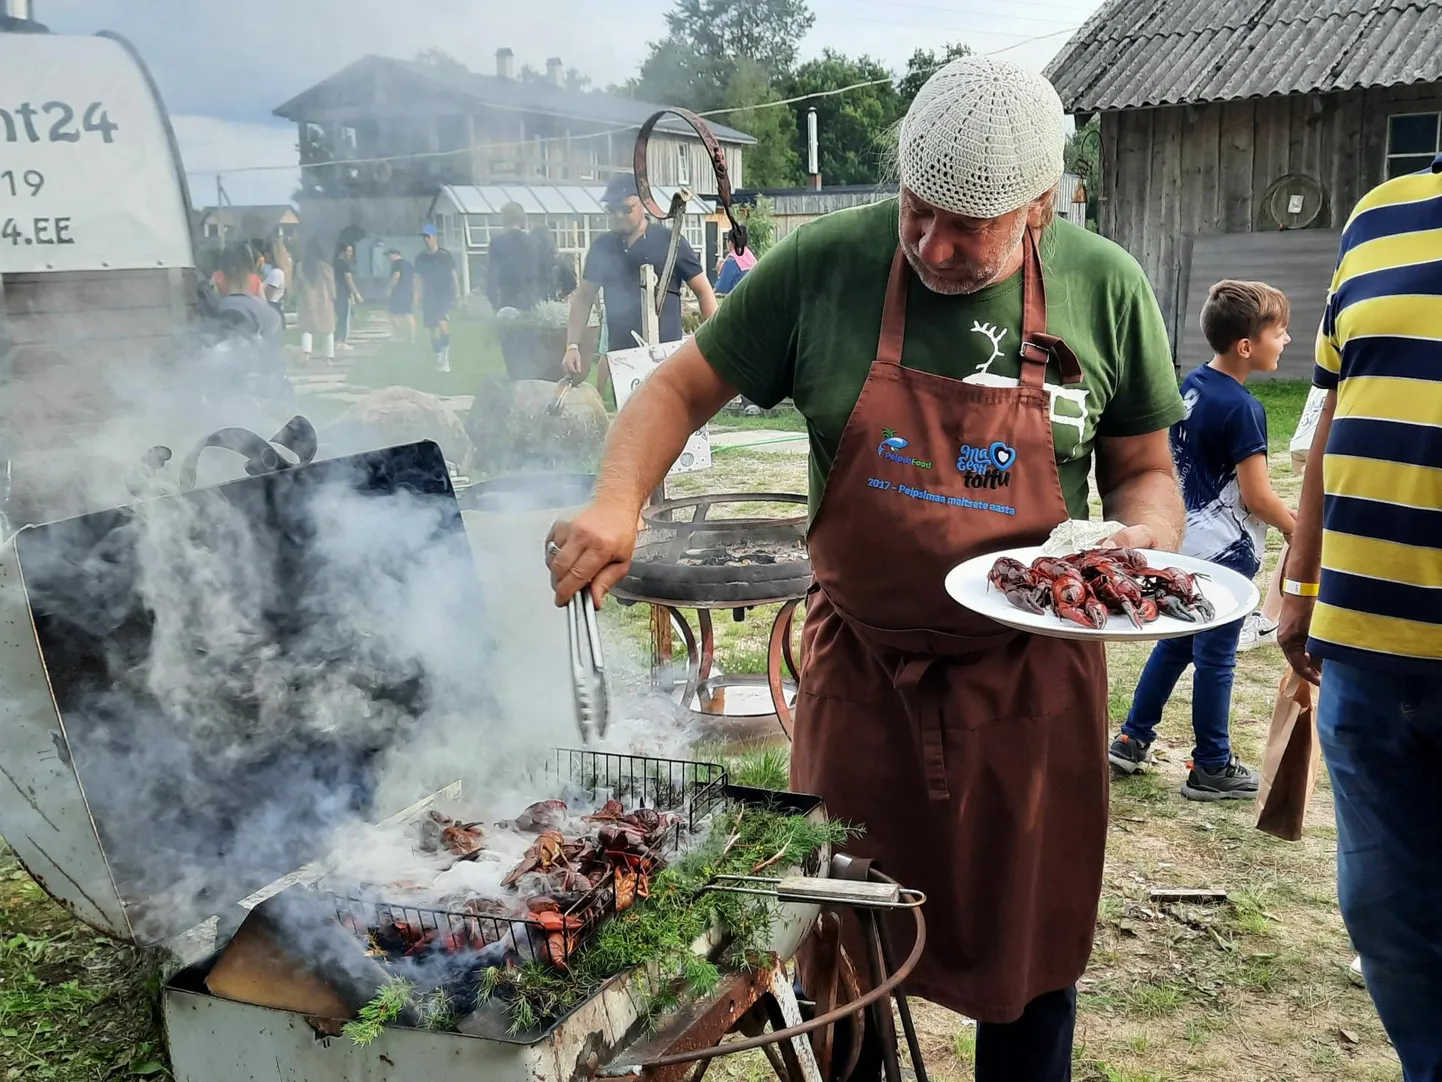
(549, 199)
(1137, 53)
(511, 94)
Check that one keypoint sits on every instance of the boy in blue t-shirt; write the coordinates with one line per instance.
(1220, 450)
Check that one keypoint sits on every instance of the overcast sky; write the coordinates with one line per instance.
(222, 68)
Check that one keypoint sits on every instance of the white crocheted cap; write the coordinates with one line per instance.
(982, 138)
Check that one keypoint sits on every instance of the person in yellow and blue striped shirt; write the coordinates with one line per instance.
(1362, 604)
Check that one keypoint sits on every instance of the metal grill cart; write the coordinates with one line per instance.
(216, 1039)
(687, 559)
(124, 813)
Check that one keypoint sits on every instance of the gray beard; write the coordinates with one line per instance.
(981, 276)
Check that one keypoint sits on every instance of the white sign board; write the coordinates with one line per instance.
(632, 367)
(87, 180)
(1307, 423)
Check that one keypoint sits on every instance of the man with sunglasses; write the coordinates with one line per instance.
(613, 269)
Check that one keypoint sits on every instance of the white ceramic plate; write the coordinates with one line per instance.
(1230, 594)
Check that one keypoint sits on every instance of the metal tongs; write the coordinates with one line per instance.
(588, 665)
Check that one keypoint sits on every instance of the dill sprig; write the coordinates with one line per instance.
(388, 1005)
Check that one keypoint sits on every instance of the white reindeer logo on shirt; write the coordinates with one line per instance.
(983, 377)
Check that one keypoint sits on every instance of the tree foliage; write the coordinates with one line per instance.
(923, 65)
(768, 32)
(760, 227)
(1083, 157)
(773, 162)
(852, 128)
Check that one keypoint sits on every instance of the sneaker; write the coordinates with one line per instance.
(1257, 631)
(443, 363)
(1128, 754)
(1355, 972)
(1233, 782)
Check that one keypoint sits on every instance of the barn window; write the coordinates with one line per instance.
(1413, 142)
(683, 165)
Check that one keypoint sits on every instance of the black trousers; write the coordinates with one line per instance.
(1035, 1048)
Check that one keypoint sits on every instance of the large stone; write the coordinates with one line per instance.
(531, 425)
(398, 415)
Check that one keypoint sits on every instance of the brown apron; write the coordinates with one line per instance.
(973, 756)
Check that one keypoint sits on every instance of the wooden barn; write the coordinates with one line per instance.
(1237, 135)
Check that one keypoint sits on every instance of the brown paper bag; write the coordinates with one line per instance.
(1292, 761)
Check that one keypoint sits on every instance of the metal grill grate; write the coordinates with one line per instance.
(693, 790)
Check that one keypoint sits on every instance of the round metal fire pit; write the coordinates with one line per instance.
(688, 559)
(719, 563)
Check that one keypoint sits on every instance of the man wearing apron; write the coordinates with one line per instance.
(958, 357)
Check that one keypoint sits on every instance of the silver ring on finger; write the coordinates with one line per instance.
(552, 549)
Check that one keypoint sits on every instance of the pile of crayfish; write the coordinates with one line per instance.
(553, 886)
(1087, 587)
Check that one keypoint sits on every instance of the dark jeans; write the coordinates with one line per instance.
(1381, 734)
(342, 319)
(1214, 653)
(1035, 1048)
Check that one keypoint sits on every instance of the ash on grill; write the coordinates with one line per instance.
(737, 555)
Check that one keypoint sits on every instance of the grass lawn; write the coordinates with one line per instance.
(1254, 989)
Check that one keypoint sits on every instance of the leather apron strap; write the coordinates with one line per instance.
(1038, 347)
(925, 702)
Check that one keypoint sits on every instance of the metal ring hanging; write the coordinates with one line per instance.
(678, 201)
(713, 150)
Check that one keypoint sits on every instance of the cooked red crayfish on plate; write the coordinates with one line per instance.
(1088, 587)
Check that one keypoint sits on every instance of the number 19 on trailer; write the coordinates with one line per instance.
(14, 184)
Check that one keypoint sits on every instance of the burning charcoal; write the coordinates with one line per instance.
(395, 937)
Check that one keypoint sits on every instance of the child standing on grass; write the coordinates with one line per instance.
(1220, 450)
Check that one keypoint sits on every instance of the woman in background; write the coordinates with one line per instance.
(316, 302)
(346, 292)
(734, 267)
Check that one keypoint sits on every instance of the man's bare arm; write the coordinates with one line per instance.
(1139, 488)
(701, 286)
(1304, 559)
(680, 396)
(582, 301)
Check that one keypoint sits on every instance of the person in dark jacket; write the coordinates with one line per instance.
(557, 275)
(513, 266)
(402, 296)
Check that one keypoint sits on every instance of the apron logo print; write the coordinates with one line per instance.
(983, 460)
(987, 467)
(891, 447)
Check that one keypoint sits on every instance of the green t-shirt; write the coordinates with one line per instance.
(804, 323)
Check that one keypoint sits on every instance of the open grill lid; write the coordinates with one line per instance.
(197, 685)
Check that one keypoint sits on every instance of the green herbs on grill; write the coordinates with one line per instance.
(659, 933)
